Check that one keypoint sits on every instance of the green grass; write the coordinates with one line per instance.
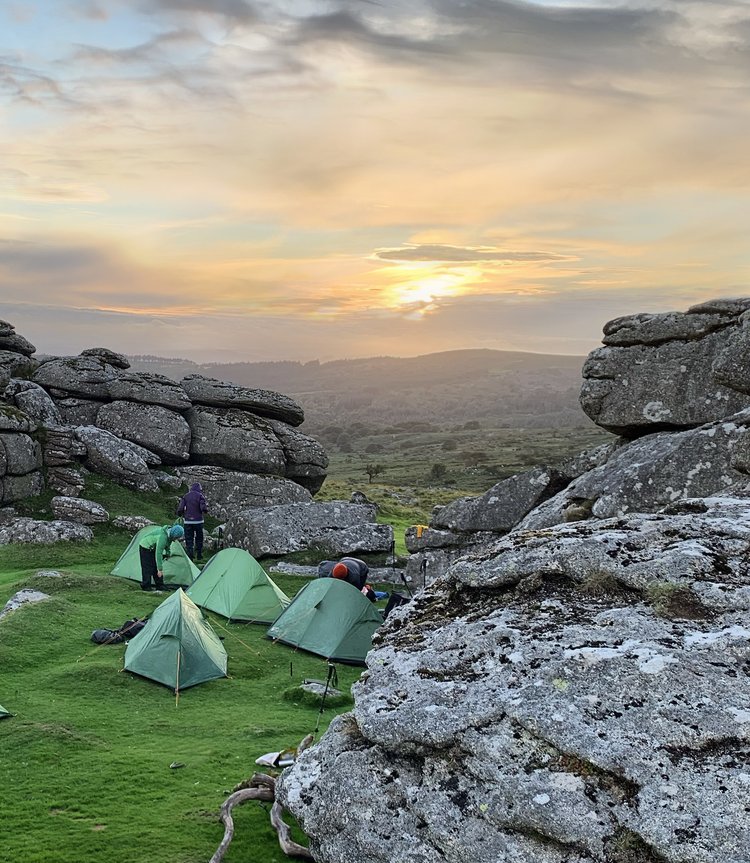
(85, 758)
(471, 460)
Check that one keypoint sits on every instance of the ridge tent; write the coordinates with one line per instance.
(331, 618)
(177, 647)
(234, 584)
(179, 570)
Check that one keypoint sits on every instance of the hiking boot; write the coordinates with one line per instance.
(146, 587)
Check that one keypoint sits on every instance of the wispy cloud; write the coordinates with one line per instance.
(464, 254)
(184, 159)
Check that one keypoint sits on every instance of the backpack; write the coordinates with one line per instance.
(128, 630)
(106, 636)
(325, 568)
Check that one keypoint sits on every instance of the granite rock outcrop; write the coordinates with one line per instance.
(578, 693)
(673, 387)
(65, 417)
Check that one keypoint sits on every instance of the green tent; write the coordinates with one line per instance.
(177, 647)
(3, 712)
(331, 618)
(179, 570)
(234, 584)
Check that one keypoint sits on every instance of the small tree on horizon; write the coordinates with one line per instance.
(373, 470)
(438, 471)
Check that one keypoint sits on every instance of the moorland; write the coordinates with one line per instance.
(99, 764)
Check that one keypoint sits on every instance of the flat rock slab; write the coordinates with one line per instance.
(23, 597)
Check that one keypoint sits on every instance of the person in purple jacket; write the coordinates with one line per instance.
(192, 507)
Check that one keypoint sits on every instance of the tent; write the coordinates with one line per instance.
(3, 712)
(179, 570)
(177, 647)
(234, 584)
(331, 618)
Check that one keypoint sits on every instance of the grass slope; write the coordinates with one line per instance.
(85, 759)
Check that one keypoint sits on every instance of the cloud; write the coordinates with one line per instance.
(235, 11)
(26, 85)
(524, 150)
(567, 322)
(464, 254)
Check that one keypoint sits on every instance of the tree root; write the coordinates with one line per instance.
(261, 787)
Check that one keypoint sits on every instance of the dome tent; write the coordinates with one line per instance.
(179, 570)
(235, 585)
(177, 647)
(331, 618)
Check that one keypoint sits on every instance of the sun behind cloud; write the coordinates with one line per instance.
(410, 285)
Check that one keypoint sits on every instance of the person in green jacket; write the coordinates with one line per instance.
(153, 548)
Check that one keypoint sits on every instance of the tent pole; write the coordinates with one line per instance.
(331, 674)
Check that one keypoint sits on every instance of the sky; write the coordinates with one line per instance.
(228, 180)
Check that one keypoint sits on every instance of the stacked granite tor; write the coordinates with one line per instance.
(673, 389)
(65, 416)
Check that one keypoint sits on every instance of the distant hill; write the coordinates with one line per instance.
(509, 389)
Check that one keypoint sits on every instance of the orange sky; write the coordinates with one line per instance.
(229, 179)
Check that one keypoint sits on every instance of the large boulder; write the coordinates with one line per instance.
(504, 505)
(19, 454)
(62, 447)
(331, 529)
(17, 488)
(14, 420)
(472, 522)
(125, 462)
(656, 371)
(577, 695)
(119, 361)
(79, 510)
(16, 365)
(152, 426)
(235, 439)
(35, 532)
(67, 480)
(78, 412)
(306, 460)
(148, 388)
(651, 472)
(10, 340)
(85, 377)
(731, 368)
(230, 491)
(35, 402)
(221, 394)
(20, 463)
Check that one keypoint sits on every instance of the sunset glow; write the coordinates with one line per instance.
(318, 179)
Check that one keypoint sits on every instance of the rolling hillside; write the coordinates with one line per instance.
(505, 389)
